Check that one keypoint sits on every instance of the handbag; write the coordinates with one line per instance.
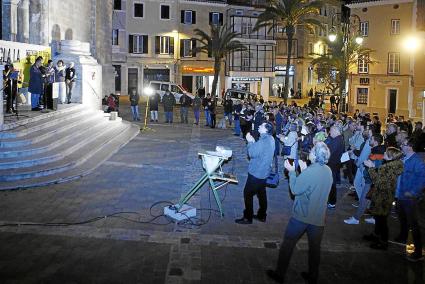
(273, 178)
(286, 150)
(22, 99)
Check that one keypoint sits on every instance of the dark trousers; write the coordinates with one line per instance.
(351, 170)
(408, 214)
(332, 193)
(294, 231)
(213, 120)
(381, 227)
(10, 93)
(255, 186)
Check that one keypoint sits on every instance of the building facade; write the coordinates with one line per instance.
(154, 41)
(252, 69)
(47, 22)
(396, 82)
(306, 45)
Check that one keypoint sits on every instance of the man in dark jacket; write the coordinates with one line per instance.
(134, 103)
(197, 104)
(185, 102)
(258, 120)
(335, 143)
(169, 101)
(228, 107)
(36, 84)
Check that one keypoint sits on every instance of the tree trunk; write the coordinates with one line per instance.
(290, 35)
(217, 67)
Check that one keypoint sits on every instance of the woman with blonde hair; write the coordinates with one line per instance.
(382, 196)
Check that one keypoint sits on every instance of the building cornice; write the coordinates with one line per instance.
(371, 3)
(204, 3)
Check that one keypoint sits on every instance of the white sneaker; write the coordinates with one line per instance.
(351, 221)
(370, 220)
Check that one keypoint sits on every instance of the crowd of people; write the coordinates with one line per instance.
(40, 84)
(379, 162)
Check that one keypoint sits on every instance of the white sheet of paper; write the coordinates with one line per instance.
(345, 157)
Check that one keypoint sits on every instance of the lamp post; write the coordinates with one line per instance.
(148, 91)
(347, 22)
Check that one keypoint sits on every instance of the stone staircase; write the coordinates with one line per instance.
(59, 146)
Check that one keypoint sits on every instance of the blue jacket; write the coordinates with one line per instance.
(261, 155)
(36, 81)
(412, 179)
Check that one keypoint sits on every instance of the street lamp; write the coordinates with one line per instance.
(345, 25)
(332, 34)
(148, 91)
(411, 43)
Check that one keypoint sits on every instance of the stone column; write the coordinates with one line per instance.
(45, 23)
(10, 27)
(24, 21)
(39, 22)
(1, 97)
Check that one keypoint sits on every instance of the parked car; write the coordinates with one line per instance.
(177, 90)
(240, 95)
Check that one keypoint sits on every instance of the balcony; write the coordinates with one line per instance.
(244, 25)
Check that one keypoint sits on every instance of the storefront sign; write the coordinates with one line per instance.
(364, 81)
(281, 70)
(247, 79)
(192, 69)
(386, 82)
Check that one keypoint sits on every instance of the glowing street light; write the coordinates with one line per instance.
(332, 37)
(148, 91)
(411, 43)
(359, 40)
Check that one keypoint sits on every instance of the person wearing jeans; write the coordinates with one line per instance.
(311, 190)
(375, 160)
(134, 104)
(197, 103)
(36, 84)
(409, 191)
(205, 102)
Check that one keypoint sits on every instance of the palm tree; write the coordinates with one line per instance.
(341, 58)
(218, 44)
(289, 14)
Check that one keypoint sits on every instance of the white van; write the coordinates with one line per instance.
(177, 90)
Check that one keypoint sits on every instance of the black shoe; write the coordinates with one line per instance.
(379, 246)
(370, 238)
(274, 275)
(263, 219)
(243, 221)
(36, 109)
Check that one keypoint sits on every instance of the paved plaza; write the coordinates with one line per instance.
(135, 246)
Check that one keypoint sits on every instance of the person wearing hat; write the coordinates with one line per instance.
(261, 154)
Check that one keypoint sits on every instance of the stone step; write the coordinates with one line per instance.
(61, 125)
(34, 124)
(74, 159)
(104, 151)
(72, 144)
(38, 145)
